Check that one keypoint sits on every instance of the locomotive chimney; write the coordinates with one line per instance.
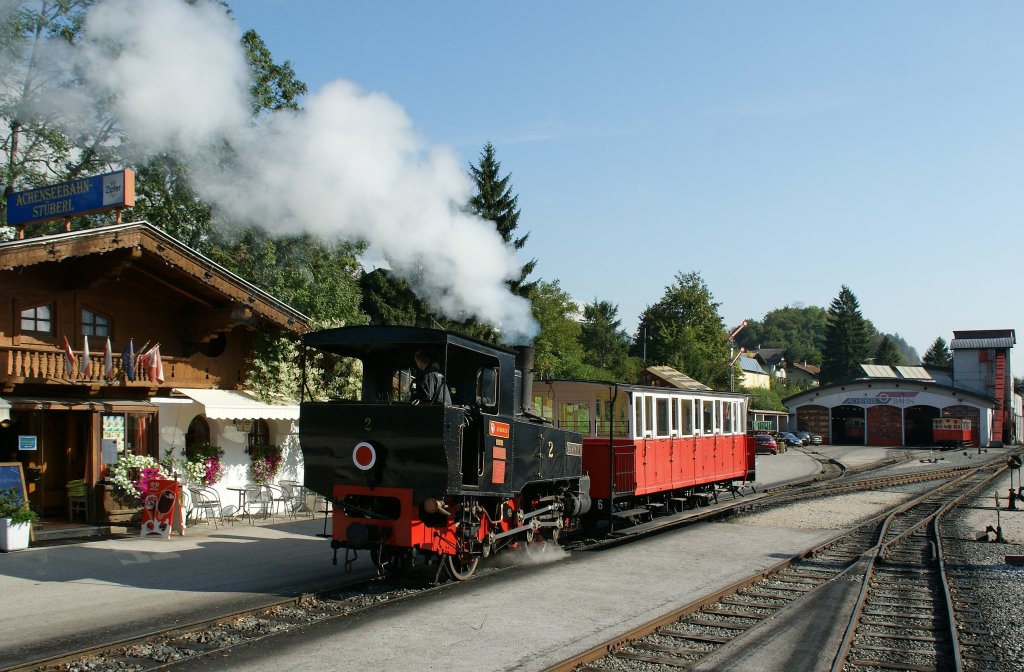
(524, 362)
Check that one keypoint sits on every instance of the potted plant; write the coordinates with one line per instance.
(265, 462)
(15, 521)
(125, 483)
(204, 466)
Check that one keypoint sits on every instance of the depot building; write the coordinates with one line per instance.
(895, 406)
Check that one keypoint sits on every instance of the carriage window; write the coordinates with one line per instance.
(709, 417)
(727, 427)
(609, 416)
(638, 423)
(574, 416)
(685, 417)
(543, 407)
(675, 417)
(648, 416)
(487, 387)
(662, 417)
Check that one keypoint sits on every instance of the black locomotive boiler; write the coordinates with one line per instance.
(415, 479)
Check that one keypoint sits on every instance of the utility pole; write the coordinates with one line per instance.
(732, 360)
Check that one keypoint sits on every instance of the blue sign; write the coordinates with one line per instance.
(72, 199)
(28, 442)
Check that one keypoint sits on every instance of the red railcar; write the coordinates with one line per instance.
(650, 447)
(951, 432)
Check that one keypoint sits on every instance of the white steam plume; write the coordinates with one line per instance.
(350, 165)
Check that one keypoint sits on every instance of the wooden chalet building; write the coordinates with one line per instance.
(127, 283)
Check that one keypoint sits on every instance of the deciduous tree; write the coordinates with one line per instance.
(684, 330)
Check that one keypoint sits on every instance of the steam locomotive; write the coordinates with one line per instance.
(504, 463)
(414, 482)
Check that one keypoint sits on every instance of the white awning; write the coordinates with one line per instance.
(238, 405)
(5, 410)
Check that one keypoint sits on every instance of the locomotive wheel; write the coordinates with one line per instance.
(535, 544)
(459, 570)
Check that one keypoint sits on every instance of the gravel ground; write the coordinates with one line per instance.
(826, 513)
(977, 567)
(981, 569)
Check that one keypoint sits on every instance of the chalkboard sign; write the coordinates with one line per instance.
(11, 476)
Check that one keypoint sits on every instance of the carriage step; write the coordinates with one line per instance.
(631, 513)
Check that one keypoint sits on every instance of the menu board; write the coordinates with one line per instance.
(113, 437)
(13, 478)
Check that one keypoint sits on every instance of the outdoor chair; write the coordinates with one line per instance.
(257, 500)
(206, 504)
(279, 500)
(297, 492)
(78, 500)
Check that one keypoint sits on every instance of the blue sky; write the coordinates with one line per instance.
(782, 150)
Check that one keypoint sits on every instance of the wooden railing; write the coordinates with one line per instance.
(47, 365)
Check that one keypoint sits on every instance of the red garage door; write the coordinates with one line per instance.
(813, 419)
(885, 426)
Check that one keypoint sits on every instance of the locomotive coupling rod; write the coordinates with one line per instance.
(524, 528)
(546, 509)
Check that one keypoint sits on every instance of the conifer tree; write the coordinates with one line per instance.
(495, 202)
(938, 354)
(887, 353)
(846, 340)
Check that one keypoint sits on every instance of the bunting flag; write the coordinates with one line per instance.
(154, 364)
(128, 360)
(139, 365)
(86, 367)
(69, 358)
(108, 361)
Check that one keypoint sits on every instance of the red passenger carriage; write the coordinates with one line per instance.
(648, 447)
(951, 432)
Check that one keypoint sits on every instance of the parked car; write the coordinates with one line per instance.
(805, 437)
(765, 444)
(791, 439)
(815, 439)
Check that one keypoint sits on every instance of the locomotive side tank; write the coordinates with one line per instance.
(451, 477)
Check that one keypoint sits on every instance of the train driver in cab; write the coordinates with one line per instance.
(432, 388)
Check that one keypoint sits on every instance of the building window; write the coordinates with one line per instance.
(260, 434)
(94, 324)
(38, 319)
(198, 433)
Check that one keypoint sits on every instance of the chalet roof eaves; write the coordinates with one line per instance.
(150, 238)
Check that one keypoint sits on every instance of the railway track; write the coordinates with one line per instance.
(187, 643)
(714, 624)
(905, 617)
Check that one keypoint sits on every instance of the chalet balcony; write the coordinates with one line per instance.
(45, 366)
